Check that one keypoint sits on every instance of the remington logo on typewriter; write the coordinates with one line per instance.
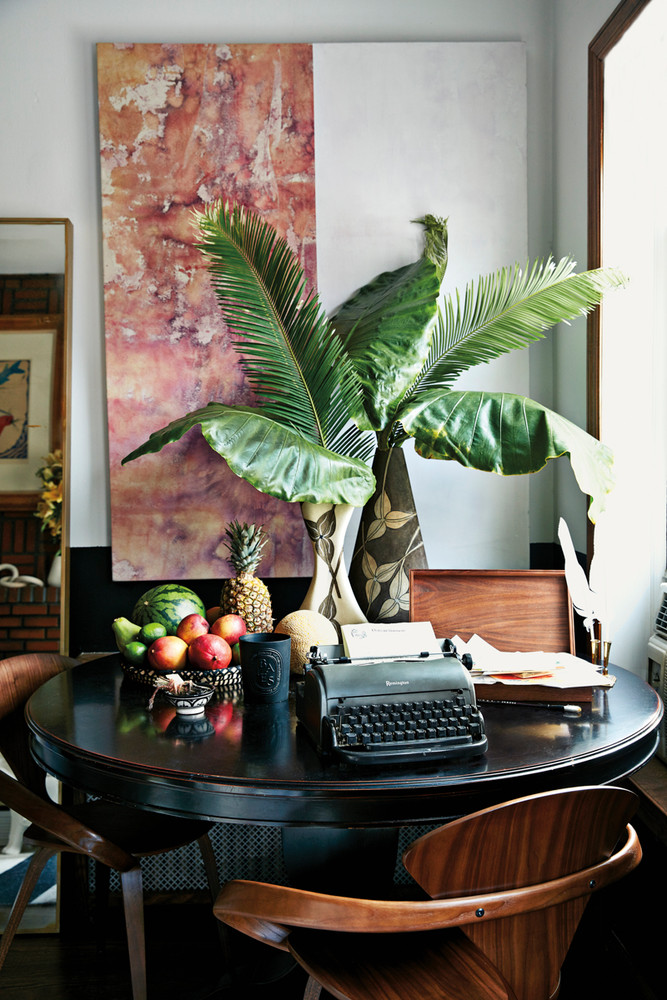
(390, 684)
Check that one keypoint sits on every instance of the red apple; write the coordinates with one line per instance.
(191, 626)
(230, 627)
(209, 652)
(212, 614)
(168, 653)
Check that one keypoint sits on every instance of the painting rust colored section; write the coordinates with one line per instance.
(180, 126)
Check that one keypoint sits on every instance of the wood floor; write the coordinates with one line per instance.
(184, 963)
(183, 957)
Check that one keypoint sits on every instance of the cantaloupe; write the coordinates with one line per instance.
(306, 628)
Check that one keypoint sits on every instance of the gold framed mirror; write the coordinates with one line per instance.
(35, 318)
(35, 328)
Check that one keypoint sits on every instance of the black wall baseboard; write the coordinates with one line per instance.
(96, 599)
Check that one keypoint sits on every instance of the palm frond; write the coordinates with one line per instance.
(506, 311)
(289, 352)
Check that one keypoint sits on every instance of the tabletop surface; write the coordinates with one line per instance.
(91, 728)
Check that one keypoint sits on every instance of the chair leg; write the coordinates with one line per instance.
(133, 905)
(211, 868)
(37, 863)
(102, 878)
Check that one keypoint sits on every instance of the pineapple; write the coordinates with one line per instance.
(246, 594)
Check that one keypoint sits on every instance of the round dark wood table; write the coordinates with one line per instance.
(91, 728)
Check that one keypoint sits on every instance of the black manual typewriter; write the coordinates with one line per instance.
(390, 712)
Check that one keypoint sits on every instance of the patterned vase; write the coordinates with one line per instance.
(389, 543)
(330, 592)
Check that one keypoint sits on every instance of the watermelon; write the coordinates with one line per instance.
(168, 604)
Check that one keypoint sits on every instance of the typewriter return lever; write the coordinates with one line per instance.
(449, 649)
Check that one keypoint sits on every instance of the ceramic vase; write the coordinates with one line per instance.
(330, 592)
(389, 543)
(54, 577)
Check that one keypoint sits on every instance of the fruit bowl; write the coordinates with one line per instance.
(190, 700)
(228, 679)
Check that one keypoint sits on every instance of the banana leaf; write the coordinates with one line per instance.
(273, 458)
(386, 329)
(511, 435)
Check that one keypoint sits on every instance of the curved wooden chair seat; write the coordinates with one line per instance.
(506, 888)
(112, 835)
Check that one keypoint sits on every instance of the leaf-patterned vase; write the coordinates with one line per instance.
(330, 592)
(389, 543)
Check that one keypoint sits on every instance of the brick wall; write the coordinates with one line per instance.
(24, 294)
(29, 616)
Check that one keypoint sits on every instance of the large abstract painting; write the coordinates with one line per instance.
(348, 142)
(181, 125)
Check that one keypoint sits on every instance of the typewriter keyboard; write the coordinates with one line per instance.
(378, 733)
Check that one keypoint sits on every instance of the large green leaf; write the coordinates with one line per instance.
(386, 328)
(510, 435)
(508, 310)
(289, 351)
(272, 457)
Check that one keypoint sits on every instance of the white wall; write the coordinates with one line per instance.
(49, 166)
(49, 153)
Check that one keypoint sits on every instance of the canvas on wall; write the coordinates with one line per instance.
(344, 142)
(182, 125)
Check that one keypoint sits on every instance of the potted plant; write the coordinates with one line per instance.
(332, 392)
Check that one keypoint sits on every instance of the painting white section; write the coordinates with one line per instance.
(404, 129)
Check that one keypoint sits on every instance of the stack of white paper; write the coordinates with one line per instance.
(560, 670)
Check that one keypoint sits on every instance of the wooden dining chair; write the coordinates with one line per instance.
(512, 609)
(112, 835)
(504, 888)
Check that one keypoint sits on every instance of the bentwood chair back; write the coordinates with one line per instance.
(504, 888)
(513, 610)
(110, 834)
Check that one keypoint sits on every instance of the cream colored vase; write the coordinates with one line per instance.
(330, 592)
(54, 576)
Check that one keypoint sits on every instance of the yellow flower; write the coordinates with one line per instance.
(49, 509)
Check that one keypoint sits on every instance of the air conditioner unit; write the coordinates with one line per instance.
(657, 675)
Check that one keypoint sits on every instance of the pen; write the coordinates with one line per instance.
(554, 706)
